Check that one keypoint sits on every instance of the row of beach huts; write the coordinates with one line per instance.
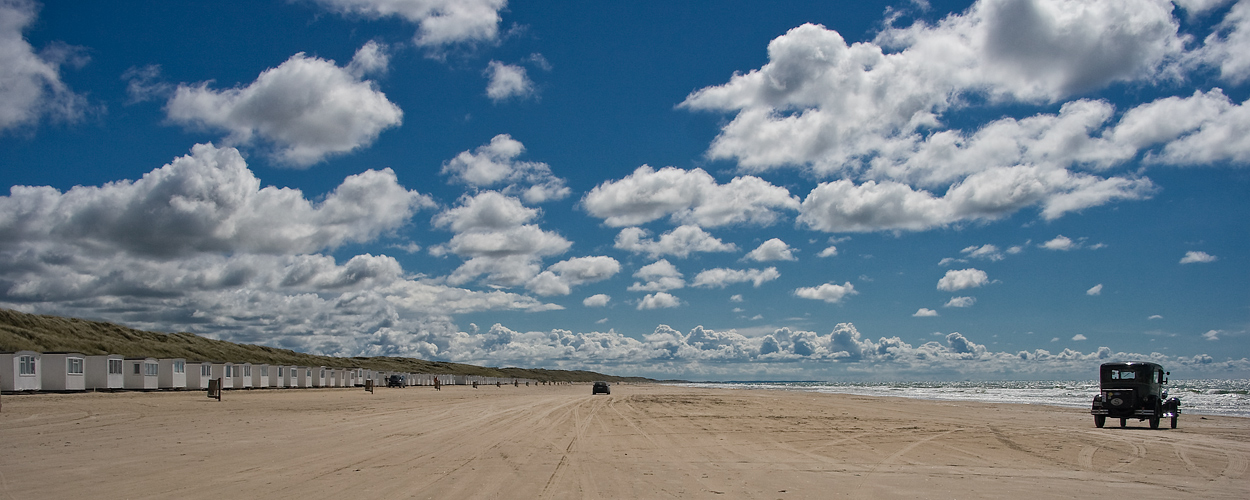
(70, 371)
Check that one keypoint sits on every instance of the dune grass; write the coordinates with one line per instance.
(22, 331)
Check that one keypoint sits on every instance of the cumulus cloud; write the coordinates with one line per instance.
(687, 197)
(207, 201)
(439, 22)
(658, 276)
(507, 81)
(658, 300)
(1192, 257)
(307, 108)
(1060, 242)
(829, 251)
(493, 234)
(773, 249)
(962, 279)
(30, 84)
(597, 300)
(494, 165)
(960, 302)
(1095, 290)
(680, 242)
(721, 277)
(1078, 337)
(827, 292)
(924, 313)
(561, 277)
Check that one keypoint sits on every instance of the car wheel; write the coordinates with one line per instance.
(1100, 420)
(1123, 422)
(1173, 421)
(1154, 422)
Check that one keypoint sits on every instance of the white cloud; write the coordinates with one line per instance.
(597, 300)
(1212, 335)
(308, 108)
(721, 277)
(987, 252)
(687, 197)
(827, 292)
(493, 234)
(773, 249)
(1078, 337)
(30, 83)
(207, 201)
(1060, 242)
(961, 302)
(495, 164)
(1192, 257)
(507, 81)
(560, 277)
(1154, 317)
(680, 242)
(658, 300)
(962, 279)
(1095, 290)
(1226, 46)
(737, 297)
(439, 22)
(924, 313)
(829, 251)
(658, 276)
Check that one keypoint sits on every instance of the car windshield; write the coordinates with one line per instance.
(1123, 375)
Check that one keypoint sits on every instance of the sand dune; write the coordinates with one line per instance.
(561, 442)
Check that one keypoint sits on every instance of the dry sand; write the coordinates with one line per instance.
(562, 442)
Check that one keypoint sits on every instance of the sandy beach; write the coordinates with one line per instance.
(644, 441)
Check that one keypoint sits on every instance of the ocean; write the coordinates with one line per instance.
(1201, 397)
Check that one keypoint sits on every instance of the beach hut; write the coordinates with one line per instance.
(173, 373)
(224, 372)
(260, 375)
(141, 374)
(242, 376)
(19, 371)
(302, 377)
(318, 376)
(62, 371)
(280, 377)
(104, 371)
(198, 375)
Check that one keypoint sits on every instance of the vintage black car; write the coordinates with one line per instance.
(601, 387)
(395, 381)
(1134, 389)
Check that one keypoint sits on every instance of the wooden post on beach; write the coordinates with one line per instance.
(369, 385)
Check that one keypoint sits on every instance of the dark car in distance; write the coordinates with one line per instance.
(601, 387)
(395, 381)
(1134, 389)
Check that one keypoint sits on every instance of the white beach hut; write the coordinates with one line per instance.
(173, 373)
(141, 374)
(62, 371)
(225, 372)
(280, 376)
(242, 376)
(198, 375)
(318, 376)
(19, 371)
(303, 377)
(260, 375)
(104, 371)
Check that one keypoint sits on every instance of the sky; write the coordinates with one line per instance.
(723, 190)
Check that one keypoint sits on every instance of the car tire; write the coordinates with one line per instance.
(1123, 423)
(1100, 420)
(1154, 422)
(1173, 421)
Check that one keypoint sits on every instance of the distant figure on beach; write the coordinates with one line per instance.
(437, 386)
(497, 384)
(475, 384)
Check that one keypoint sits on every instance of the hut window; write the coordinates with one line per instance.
(137, 368)
(264, 371)
(26, 365)
(73, 366)
(206, 370)
(229, 369)
(151, 369)
(115, 367)
(247, 370)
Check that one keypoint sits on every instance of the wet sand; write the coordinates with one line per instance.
(562, 442)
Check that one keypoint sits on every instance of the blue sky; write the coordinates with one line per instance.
(719, 190)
